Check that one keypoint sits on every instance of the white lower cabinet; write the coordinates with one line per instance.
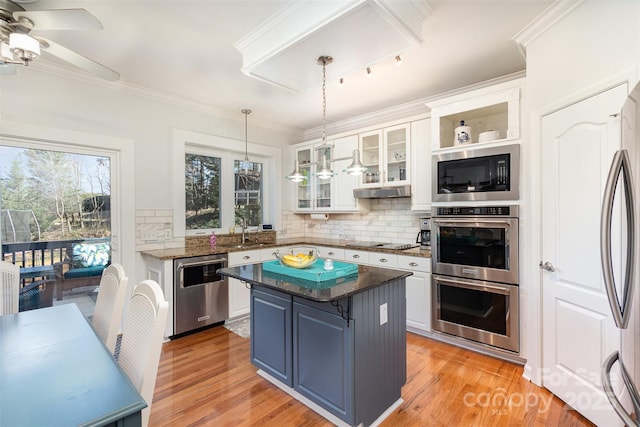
(239, 293)
(355, 256)
(336, 254)
(418, 284)
(418, 292)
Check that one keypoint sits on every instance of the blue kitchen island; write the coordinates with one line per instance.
(338, 346)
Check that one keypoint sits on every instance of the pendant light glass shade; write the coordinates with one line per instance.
(324, 172)
(295, 176)
(356, 167)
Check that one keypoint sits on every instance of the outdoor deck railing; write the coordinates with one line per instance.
(35, 254)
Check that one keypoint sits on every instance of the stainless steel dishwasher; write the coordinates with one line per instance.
(200, 294)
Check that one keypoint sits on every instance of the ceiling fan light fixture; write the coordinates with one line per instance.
(356, 167)
(6, 56)
(24, 47)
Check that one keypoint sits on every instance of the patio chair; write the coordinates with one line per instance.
(107, 314)
(10, 287)
(142, 339)
(83, 267)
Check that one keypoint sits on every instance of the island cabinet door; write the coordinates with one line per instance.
(323, 358)
(271, 333)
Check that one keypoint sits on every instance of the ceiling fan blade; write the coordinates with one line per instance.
(62, 19)
(78, 60)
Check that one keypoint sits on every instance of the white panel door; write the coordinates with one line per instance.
(578, 143)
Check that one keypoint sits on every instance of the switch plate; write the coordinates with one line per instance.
(384, 314)
(167, 233)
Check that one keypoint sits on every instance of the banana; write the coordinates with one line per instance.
(299, 260)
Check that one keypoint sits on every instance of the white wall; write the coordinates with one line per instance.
(105, 109)
(594, 46)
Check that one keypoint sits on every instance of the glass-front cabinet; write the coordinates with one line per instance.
(313, 193)
(384, 153)
(303, 190)
(334, 194)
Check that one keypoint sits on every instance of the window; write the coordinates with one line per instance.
(53, 195)
(208, 207)
(202, 191)
(257, 195)
(248, 193)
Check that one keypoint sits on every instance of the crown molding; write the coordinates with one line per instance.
(70, 73)
(396, 112)
(419, 107)
(543, 22)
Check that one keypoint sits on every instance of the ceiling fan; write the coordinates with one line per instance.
(17, 46)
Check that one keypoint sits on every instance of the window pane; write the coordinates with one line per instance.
(52, 195)
(202, 191)
(248, 192)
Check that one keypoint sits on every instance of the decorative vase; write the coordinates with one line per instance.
(462, 134)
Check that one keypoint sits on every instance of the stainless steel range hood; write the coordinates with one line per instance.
(382, 192)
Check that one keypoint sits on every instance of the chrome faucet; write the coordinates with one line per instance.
(244, 230)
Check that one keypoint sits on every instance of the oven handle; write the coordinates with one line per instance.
(461, 283)
(474, 222)
(620, 309)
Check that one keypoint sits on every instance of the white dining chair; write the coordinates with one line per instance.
(142, 339)
(107, 314)
(9, 298)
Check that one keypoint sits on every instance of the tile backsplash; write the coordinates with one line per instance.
(389, 220)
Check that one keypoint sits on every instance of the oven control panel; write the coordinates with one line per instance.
(506, 211)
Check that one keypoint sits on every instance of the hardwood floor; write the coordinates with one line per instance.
(206, 379)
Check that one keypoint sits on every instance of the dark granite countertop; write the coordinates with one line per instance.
(184, 252)
(331, 290)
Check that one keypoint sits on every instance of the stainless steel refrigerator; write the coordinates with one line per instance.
(621, 370)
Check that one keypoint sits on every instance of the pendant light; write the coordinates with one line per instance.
(324, 170)
(295, 176)
(356, 167)
(246, 165)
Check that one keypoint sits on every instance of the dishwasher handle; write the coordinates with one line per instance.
(182, 265)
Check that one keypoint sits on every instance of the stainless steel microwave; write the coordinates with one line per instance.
(490, 173)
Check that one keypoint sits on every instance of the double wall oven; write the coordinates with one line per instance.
(475, 274)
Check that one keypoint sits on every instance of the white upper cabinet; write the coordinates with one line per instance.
(421, 161)
(385, 153)
(490, 115)
(326, 195)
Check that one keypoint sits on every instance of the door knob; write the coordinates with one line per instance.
(547, 266)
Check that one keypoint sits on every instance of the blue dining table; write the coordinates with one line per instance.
(55, 371)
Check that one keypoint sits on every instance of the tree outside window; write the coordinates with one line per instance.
(53, 195)
(202, 191)
(248, 193)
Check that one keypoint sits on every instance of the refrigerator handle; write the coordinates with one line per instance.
(613, 399)
(620, 309)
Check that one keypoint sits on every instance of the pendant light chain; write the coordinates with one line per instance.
(324, 100)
